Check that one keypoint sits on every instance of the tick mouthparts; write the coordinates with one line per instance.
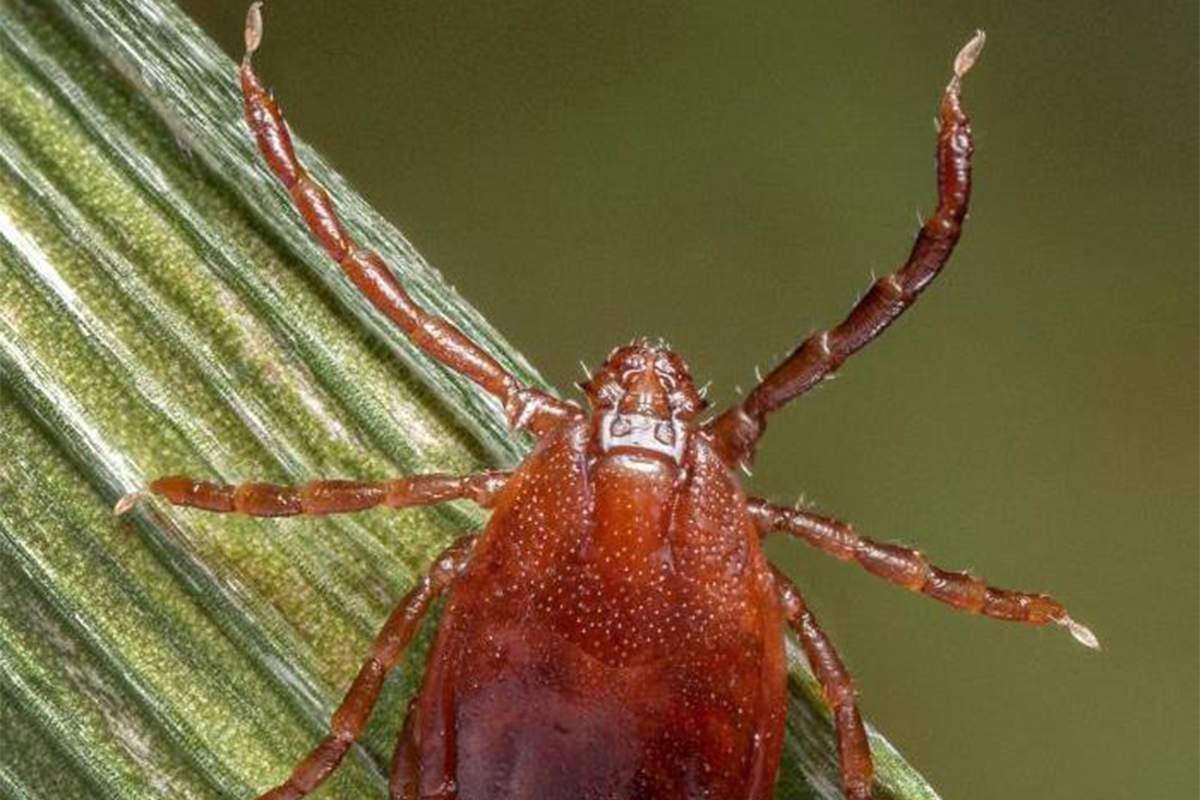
(1082, 633)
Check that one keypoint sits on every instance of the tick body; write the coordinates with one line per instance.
(615, 635)
(615, 632)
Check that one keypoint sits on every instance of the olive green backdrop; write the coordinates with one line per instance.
(728, 176)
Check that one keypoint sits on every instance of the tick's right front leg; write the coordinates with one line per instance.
(321, 497)
(736, 431)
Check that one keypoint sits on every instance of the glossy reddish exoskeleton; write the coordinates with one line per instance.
(615, 633)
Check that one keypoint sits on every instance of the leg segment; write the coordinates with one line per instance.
(322, 497)
(402, 785)
(737, 431)
(908, 568)
(525, 408)
(854, 751)
(351, 716)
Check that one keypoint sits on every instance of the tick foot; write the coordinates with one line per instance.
(128, 501)
(1082, 634)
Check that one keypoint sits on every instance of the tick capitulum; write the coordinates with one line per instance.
(615, 632)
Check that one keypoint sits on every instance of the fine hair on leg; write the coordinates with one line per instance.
(736, 431)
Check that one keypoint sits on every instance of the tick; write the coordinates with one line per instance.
(615, 632)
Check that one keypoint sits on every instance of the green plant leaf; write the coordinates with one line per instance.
(162, 310)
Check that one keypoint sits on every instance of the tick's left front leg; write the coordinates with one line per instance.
(854, 750)
(908, 568)
(526, 408)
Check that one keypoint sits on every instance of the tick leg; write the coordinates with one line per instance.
(321, 497)
(908, 568)
(854, 751)
(402, 785)
(737, 431)
(524, 407)
(351, 716)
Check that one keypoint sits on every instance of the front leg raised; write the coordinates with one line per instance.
(526, 408)
(736, 431)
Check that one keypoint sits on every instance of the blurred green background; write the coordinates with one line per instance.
(728, 176)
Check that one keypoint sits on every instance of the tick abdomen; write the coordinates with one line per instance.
(633, 651)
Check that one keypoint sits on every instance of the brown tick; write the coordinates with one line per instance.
(615, 632)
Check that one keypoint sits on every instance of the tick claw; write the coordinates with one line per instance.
(966, 57)
(965, 60)
(254, 28)
(1082, 634)
(127, 502)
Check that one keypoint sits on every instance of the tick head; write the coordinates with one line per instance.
(642, 399)
(645, 379)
